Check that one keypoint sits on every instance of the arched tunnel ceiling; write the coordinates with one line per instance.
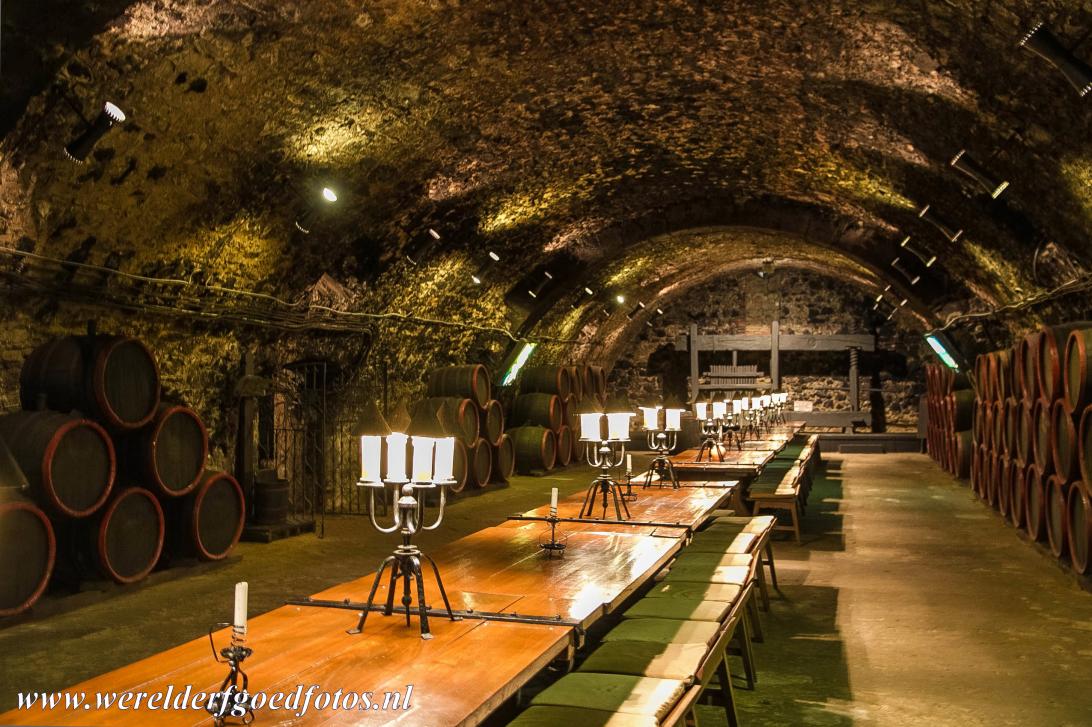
(563, 134)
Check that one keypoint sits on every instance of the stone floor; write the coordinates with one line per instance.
(908, 603)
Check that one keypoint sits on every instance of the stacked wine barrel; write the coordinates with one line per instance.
(547, 428)
(100, 479)
(1033, 437)
(950, 404)
(462, 397)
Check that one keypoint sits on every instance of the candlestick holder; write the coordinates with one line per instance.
(605, 455)
(406, 561)
(712, 431)
(232, 700)
(553, 546)
(660, 466)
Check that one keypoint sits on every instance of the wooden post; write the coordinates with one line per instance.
(775, 354)
(854, 381)
(693, 363)
(244, 436)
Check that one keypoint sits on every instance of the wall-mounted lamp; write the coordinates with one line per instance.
(963, 162)
(946, 229)
(897, 264)
(78, 149)
(926, 258)
(1040, 41)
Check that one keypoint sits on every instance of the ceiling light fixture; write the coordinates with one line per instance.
(948, 230)
(926, 258)
(537, 290)
(897, 264)
(1040, 41)
(78, 149)
(329, 195)
(963, 162)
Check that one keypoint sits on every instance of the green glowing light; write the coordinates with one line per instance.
(942, 352)
(521, 359)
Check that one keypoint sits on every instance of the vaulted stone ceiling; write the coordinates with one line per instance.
(584, 139)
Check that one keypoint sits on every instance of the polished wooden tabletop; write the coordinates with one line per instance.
(471, 665)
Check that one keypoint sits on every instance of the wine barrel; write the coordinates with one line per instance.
(564, 446)
(1034, 507)
(169, 454)
(210, 519)
(1004, 485)
(1064, 444)
(1016, 379)
(576, 382)
(471, 382)
(576, 453)
(982, 377)
(1056, 490)
(987, 423)
(964, 452)
(110, 378)
(535, 449)
(479, 457)
(543, 410)
(270, 498)
(1017, 496)
(962, 407)
(998, 435)
(460, 468)
(1077, 374)
(491, 421)
(68, 461)
(1052, 342)
(28, 550)
(504, 459)
(546, 380)
(977, 423)
(1079, 526)
(458, 417)
(976, 469)
(1012, 425)
(1044, 435)
(993, 487)
(127, 536)
(1025, 429)
(1029, 353)
(599, 381)
(999, 375)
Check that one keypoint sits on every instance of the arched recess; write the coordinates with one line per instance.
(661, 268)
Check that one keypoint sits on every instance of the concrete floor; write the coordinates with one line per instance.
(909, 603)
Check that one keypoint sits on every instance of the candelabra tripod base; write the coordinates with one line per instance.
(662, 468)
(708, 448)
(232, 701)
(610, 493)
(405, 565)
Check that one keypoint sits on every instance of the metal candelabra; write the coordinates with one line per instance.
(405, 562)
(662, 442)
(712, 432)
(233, 700)
(606, 455)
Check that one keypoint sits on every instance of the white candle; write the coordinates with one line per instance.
(553, 499)
(240, 606)
(629, 464)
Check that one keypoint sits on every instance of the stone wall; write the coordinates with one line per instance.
(808, 303)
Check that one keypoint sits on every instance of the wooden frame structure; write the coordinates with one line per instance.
(775, 342)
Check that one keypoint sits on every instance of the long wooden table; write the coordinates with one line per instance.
(471, 666)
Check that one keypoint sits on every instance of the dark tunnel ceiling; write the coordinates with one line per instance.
(563, 135)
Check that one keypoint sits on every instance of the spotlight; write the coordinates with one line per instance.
(329, 195)
(940, 223)
(537, 290)
(621, 299)
(494, 256)
(926, 259)
(433, 234)
(1040, 41)
(78, 149)
(476, 279)
(964, 163)
(896, 263)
